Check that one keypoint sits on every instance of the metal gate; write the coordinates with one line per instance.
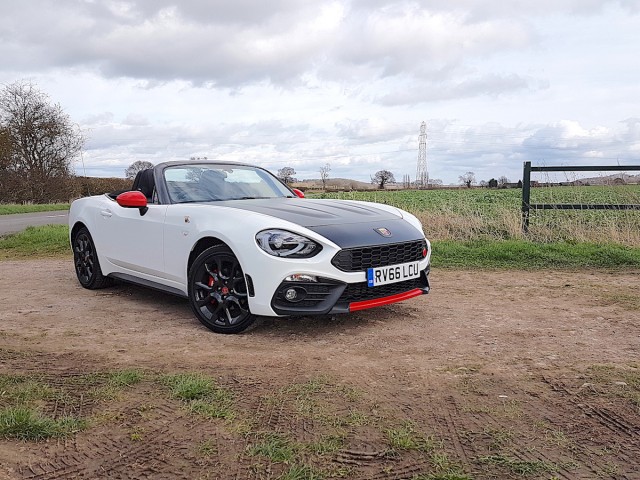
(527, 206)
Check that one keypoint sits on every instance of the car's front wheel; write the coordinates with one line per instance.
(218, 291)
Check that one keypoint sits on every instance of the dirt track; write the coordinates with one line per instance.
(513, 373)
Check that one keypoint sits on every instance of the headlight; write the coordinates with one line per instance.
(281, 243)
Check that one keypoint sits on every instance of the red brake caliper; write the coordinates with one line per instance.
(210, 283)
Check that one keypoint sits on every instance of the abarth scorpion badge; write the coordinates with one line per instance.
(385, 232)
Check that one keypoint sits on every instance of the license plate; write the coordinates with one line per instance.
(392, 274)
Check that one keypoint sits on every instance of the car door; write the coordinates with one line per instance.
(131, 241)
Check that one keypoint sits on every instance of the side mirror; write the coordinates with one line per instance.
(299, 193)
(133, 199)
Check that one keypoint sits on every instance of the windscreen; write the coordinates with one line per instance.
(211, 183)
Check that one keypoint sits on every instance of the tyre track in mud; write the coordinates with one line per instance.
(406, 360)
(599, 427)
(164, 451)
(107, 454)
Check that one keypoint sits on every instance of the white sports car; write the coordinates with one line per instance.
(238, 243)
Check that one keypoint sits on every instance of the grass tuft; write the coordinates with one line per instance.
(23, 390)
(326, 445)
(521, 467)
(442, 476)
(202, 395)
(301, 472)
(125, 378)
(217, 405)
(188, 386)
(275, 447)
(405, 437)
(207, 448)
(27, 424)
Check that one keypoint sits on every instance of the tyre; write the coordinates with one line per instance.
(218, 291)
(85, 259)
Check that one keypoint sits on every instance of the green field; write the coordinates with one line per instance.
(464, 199)
(472, 228)
(475, 214)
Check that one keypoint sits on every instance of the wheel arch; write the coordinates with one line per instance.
(76, 227)
(201, 245)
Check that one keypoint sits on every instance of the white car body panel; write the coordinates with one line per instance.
(135, 245)
(154, 247)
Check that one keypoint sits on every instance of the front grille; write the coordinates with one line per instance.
(361, 258)
(357, 292)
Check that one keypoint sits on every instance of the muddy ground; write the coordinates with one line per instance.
(504, 374)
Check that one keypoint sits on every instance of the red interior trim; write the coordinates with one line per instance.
(384, 300)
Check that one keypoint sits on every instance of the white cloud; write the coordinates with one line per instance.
(303, 83)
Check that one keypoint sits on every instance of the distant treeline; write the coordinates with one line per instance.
(16, 189)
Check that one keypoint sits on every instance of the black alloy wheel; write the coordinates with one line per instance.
(85, 259)
(218, 291)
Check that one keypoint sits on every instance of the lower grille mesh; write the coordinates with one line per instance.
(357, 292)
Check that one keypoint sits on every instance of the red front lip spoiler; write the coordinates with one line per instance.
(355, 306)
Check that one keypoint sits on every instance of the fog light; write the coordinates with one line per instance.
(291, 294)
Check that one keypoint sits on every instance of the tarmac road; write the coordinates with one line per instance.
(20, 221)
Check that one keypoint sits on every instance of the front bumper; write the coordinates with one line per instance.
(329, 296)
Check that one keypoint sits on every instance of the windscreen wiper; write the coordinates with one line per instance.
(249, 198)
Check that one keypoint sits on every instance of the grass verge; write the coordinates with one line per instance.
(11, 208)
(45, 241)
(52, 240)
(522, 254)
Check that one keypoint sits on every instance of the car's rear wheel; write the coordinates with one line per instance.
(218, 291)
(85, 259)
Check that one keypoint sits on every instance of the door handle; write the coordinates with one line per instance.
(105, 213)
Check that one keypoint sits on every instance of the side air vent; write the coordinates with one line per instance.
(250, 290)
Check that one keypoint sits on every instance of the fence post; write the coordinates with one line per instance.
(526, 196)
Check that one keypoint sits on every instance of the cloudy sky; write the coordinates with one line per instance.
(303, 83)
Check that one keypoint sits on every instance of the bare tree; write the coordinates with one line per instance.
(132, 170)
(324, 175)
(468, 179)
(5, 164)
(503, 180)
(42, 143)
(286, 175)
(5, 148)
(382, 177)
